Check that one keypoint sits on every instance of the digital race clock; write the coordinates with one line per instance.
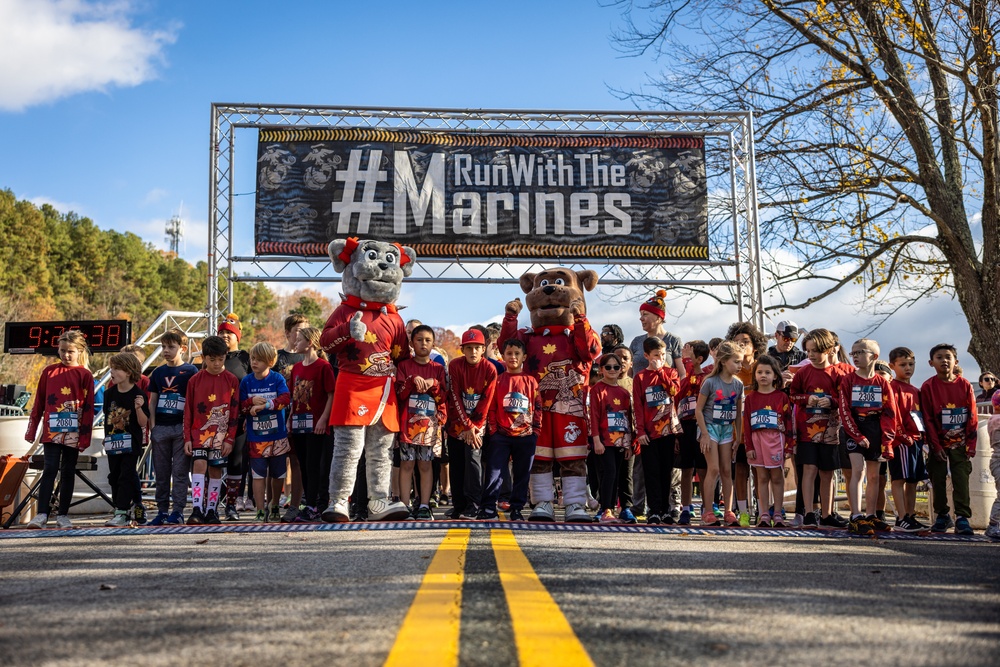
(43, 337)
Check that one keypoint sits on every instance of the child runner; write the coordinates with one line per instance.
(753, 342)
(691, 459)
(126, 413)
(211, 411)
(993, 428)
(907, 464)
(515, 420)
(263, 399)
(422, 392)
(882, 368)
(64, 406)
(656, 425)
(287, 358)
(168, 386)
(767, 423)
(949, 408)
(868, 413)
(473, 381)
(720, 419)
(312, 383)
(814, 392)
(612, 423)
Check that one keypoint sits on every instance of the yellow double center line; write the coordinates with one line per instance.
(431, 629)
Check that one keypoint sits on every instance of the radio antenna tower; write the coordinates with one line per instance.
(175, 233)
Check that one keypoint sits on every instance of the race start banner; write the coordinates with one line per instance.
(460, 194)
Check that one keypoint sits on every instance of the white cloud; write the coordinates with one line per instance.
(62, 207)
(51, 49)
(154, 196)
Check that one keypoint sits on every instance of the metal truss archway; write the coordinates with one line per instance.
(733, 218)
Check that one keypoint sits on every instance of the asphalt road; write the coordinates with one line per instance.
(340, 597)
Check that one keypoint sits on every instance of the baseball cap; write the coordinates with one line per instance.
(788, 329)
(473, 337)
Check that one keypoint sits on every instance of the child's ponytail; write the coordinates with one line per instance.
(312, 336)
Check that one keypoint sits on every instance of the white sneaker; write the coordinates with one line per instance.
(577, 513)
(119, 520)
(382, 509)
(543, 512)
(797, 521)
(38, 522)
(337, 512)
(62, 521)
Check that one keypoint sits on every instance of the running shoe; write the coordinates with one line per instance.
(175, 519)
(810, 520)
(684, 519)
(765, 521)
(653, 518)
(878, 524)
(139, 513)
(275, 515)
(159, 519)
(709, 519)
(487, 515)
(261, 516)
(993, 531)
(829, 521)
(291, 514)
(62, 521)
(231, 513)
(716, 510)
(962, 527)
(730, 519)
(515, 515)
(903, 525)
(607, 516)
(779, 521)
(626, 516)
(860, 526)
(197, 517)
(941, 524)
(921, 526)
(119, 520)
(38, 522)
(424, 513)
(668, 519)
(469, 514)
(744, 519)
(211, 517)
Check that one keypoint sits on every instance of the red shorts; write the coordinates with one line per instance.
(563, 438)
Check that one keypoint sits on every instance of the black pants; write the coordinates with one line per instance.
(59, 460)
(615, 473)
(466, 475)
(311, 448)
(123, 479)
(658, 468)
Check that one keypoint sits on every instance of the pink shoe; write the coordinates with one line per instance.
(708, 518)
(730, 519)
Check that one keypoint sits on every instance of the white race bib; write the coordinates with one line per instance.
(302, 422)
(763, 419)
(866, 396)
(170, 404)
(118, 443)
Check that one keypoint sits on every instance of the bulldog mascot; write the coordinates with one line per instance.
(561, 349)
(366, 336)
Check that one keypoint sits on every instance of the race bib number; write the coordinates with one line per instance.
(170, 404)
(617, 422)
(118, 443)
(516, 403)
(302, 423)
(724, 412)
(687, 407)
(816, 410)
(657, 396)
(421, 404)
(265, 424)
(954, 417)
(866, 396)
(64, 422)
(470, 401)
(763, 419)
(918, 420)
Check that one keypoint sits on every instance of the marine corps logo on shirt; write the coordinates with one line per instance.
(378, 364)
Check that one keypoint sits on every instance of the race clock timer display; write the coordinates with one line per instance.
(43, 337)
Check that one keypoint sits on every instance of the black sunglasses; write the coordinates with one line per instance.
(612, 368)
(989, 379)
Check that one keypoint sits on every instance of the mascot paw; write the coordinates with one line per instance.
(514, 307)
(358, 328)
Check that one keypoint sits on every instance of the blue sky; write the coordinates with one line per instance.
(104, 110)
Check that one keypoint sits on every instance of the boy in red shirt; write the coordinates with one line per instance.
(515, 420)
(211, 410)
(473, 382)
(949, 409)
(691, 458)
(907, 465)
(868, 413)
(656, 426)
(422, 390)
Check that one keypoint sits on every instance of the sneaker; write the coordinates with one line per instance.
(231, 513)
(730, 519)
(607, 516)
(424, 513)
(339, 512)
(668, 519)
(515, 515)
(962, 527)
(992, 531)
(878, 524)
(119, 520)
(941, 524)
(291, 514)
(920, 525)
(159, 519)
(62, 521)
(653, 518)
(811, 521)
(261, 516)
(503, 505)
(709, 519)
(860, 526)
(745, 519)
(275, 515)
(903, 525)
(797, 521)
(778, 521)
(626, 516)
(175, 519)
(212, 517)
(487, 515)
(829, 521)
(469, 514)
(765, 521)
(38, 522)
(197, 517)
(139, 514)
(684, 519)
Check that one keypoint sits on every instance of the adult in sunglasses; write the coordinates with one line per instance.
(611, 337)
(784, 349)
(988, 385)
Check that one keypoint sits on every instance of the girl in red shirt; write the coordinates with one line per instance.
(767, 425)
(612, 425)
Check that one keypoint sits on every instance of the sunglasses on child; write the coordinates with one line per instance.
(609, 367)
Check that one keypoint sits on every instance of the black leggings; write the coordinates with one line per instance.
(123, 479)
(315, 452)
(61, 460)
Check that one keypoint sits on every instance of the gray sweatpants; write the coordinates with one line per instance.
(170, 463)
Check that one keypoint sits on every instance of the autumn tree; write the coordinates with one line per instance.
(878, 152)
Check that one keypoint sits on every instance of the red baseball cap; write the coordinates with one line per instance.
(473, 337)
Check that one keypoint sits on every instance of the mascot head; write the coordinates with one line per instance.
(554, 296)
(373, 270)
